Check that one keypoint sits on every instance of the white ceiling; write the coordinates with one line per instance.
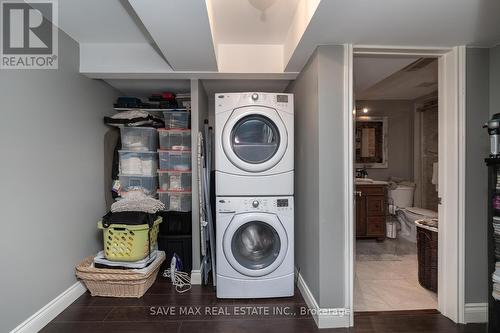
(368, 70)
(253, 21)
(399, 23)
(376, 82)
(188, 33)
(181, 29)
(101, 21)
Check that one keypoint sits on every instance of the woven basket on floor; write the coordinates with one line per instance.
(118, 282)
(427, 245)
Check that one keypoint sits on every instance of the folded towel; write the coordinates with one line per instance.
(137, 201)
(100, 261)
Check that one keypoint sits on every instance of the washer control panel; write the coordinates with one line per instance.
(254, 204)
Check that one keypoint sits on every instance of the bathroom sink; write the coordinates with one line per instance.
(364, 180)
(370, 181)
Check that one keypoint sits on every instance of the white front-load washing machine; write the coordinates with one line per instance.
(254, 144)
(255, 247)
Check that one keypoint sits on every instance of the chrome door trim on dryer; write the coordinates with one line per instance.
(235, 118)
(238, 221)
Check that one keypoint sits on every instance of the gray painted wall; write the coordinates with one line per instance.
(400, 116)
(495, 80)
(305, 89)
(51, 139)
(319, 175)
(331, 176)
(476, 183)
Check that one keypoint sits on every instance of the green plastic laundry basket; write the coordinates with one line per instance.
(124, 242)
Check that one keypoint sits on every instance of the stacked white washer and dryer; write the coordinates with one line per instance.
(254, 173)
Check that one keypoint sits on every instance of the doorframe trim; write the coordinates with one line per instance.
(451, 300)
(349, 180)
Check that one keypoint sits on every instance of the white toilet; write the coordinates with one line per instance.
(402, 199)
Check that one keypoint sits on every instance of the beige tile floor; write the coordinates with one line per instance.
(388, 280)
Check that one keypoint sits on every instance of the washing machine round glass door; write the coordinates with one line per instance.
(255, 244)
(254, 138)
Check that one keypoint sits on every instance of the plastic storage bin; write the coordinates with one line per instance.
(175, 160)
(177, 201)
(139, 138)
(175, 139)
(138, 163)
(175, 180)
(177, 119)
(148, 184)
(124, 242)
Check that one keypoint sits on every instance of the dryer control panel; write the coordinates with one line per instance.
(228, 101)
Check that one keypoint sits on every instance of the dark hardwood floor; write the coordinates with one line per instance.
(203, 312)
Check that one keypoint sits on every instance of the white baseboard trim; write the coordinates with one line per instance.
(476, 313)
(195, 277)
(324, 317)
(45, 315)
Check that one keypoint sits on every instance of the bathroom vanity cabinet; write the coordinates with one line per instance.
(371, 208)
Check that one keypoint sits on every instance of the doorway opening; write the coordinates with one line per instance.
(396, 156)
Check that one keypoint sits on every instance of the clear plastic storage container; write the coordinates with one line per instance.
(175, 139)
(175, 180)
(179, 201)
(177, 119)
(139, 138)
(175, 160)
(138, 163)
(149, 184)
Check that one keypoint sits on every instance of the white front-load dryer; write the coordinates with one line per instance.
(254, 252)
(254, 144)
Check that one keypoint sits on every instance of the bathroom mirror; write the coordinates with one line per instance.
(371, 142)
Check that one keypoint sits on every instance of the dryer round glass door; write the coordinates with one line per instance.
(254, 138)
(255, 244)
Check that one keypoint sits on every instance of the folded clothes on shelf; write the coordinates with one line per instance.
(496, 292)
(134, 118)
(496, 276)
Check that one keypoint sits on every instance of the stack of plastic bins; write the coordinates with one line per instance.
(175, 179)
(175, 161)
(139, 160)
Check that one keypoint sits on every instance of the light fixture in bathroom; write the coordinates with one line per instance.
(365, 110)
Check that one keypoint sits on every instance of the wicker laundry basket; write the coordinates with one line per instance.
(427, 248)
(118, 282)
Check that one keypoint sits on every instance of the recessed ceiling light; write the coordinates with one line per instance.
(365, 110)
